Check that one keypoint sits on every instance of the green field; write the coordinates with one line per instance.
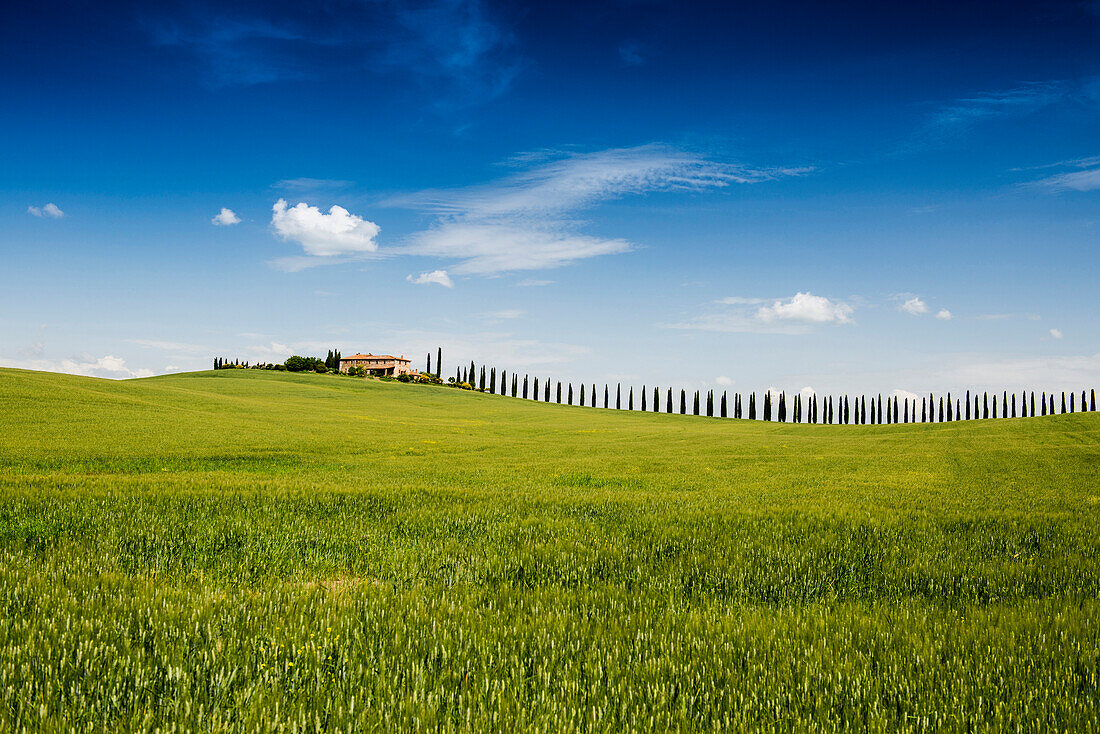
(256, 551)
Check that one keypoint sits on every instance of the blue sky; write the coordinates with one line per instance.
(880, 197)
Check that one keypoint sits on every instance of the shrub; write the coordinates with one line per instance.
(320, 368)
(404, 377)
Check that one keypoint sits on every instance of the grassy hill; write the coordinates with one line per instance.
(242, 550)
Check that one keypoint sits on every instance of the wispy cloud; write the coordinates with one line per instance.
(108, 366)
(527, 221)
(459, 50)
(914, 306)
(1025, 98)
(793, 315)
(1082, 174)
(309, 185)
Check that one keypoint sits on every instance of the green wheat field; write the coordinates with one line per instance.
(249, 551)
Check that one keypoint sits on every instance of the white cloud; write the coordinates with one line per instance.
(1056, 333)
(1087, 178)
(807, 308)
(533, 283)
(527, 221)
(225, 217)
(807, 392)
(439, 277)
(782, 316)
(723, 381)
(1032, 373)
(904, 395)
(51, 210)
(109, 366)
(337, 234)
(944, 315)
(914, 306)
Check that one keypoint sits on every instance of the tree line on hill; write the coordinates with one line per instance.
(330, 363)
(828, 409)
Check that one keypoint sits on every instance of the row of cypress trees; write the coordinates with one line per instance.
(840, 409)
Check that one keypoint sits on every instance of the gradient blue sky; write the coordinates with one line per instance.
(872, 197)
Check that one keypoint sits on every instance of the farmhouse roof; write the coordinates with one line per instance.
(375, 356)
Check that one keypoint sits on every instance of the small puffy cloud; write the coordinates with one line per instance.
(914, 306)
(51, 211)
(904, 395)
(807, 392)
(1055, 333)
(944, 315)
(723, 381)
(225, 217)
(806, 308)
(339, 233)
(439, 277)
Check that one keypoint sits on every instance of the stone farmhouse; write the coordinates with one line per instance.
(378, 364)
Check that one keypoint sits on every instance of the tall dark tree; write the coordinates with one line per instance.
(643, 398)
(570, 393)
(968, 405)
(924, 410)
(949, 418)
(1071, 410)
(668, 403)
(656, 400)
(895, 409)
(941, 410)
(1013, 405)
(723, 408)
(768, 405)
(782, 412)
(1043, 403)
(582, 395)
(752, 406)
(1063, 403)
(630, 400)
(593, 398)
(515, 384)
(464, 376)
(1004, 404)
(482, 377)
(1052, 403)
(535, 385)
(994, 405)
(1092, 399)
(737, 407)
(605, 396)
(438, 361)
(557, 393)
(546, 389)
(473, 375)
(695, 404)
(710, 403)
(683, 402)
(428, 368)
(618, 396)
(985, 405)
(905, 411)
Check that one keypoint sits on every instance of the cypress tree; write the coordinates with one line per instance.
(723, 404)
(438, 361)
(1083, 403)
(923, 410)
(668, 403)
(710, 403)
(683, 402)
(570, 393)
(782, 412)
(752, 406)
(458, 375)
(557, 393)
(968, 405)
(878, 410)
(643, 398)
(483, 378)
(1052, 403)
(941, 410)
(905, 413)
(1013, 405)
(515, 384)
(985, 405)
(1092, 400)
(994, 405)
(958, 411)
(695, 404)
(895, 409)
(605, 398)
(1043, 402)
(630, 400)
(473, 375)
(535, 385)
(546, 389)
(582, 394)
(768, 405)
(464, 376)
(738, 407)
(656, 401)
(618, 396)
(975, 406)
(593, 395)
(1071, 410)
(949, 417)
(427, 369)
(1023, 404)
(1004, 404)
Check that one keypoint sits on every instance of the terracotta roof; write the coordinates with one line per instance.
(374, 356)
